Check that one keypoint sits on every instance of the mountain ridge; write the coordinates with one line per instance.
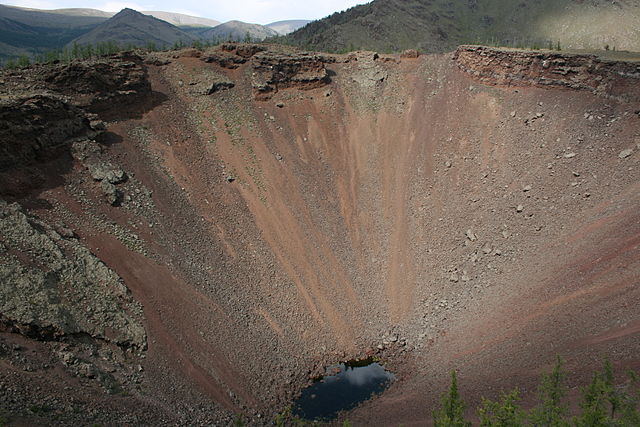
(440, 25)
(130, 27)
(288, 26)
(238, 30)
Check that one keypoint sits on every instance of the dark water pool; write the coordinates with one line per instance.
(356, 382)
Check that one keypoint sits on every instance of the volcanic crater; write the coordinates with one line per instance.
(224, 224)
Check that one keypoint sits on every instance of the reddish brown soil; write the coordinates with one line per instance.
(346, 222)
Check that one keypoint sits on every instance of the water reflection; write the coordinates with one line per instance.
(351, 386)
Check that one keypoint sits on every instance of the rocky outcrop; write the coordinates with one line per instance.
(367, 69)
(273, 72)
(243, 50)
(34, 128)
(52, 287)
(224, 59)
(613, 79)
(210, 84)
(101, 85)
(232, 55)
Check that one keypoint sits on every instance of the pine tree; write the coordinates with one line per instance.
(613, 395)
(630, 416)
(505, 413)
(552, 411)
(594, 409)
(451, 413)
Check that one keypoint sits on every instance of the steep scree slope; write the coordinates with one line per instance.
(439, 212)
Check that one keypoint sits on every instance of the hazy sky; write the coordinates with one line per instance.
(256, 11)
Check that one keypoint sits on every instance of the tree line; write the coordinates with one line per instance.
(101, 49)
(604, 404)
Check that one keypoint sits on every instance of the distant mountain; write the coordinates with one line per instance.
(180, 20)
(28, 32)
(63, 18)
(76, 11)
(177, 19)
(286, 27)
(440, 25)
(237, 30)
(129, 27)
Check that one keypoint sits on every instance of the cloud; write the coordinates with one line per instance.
(257, 11)
(364, 375)
(32, 4)
(266, 11)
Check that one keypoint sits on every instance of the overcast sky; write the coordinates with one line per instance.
(256, 11)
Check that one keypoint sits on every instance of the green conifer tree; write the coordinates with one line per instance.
(594, 404)
(451, 412)
(552, 411)
(503, 413)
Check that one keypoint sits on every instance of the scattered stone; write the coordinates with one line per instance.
(278, 157)
(104, 171)
(410, 53)
(280, 105)
(448, 164)
(486, 249)
(527, 188)
(112, 194)
(471, 235)
(218, 86)
(569, 155)
(98, 125)
(625, 153)
(88, 370)
(520, 208)
(454, 277)
(230, 178)
(65, 232)
(513, 114)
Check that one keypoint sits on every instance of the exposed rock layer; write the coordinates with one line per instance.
(620, 80)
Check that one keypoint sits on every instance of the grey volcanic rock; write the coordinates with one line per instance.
(101, 85)
(105, 171)
(111, 193)
(53, 287)
(32, 127)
